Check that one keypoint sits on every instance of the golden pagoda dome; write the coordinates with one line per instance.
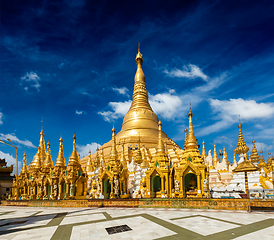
(139, 122)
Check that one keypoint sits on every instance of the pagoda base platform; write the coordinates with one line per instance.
(225, 204)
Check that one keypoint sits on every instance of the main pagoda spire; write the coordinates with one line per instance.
(140, 115)
(140, 96)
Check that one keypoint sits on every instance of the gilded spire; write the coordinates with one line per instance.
(97, 158)
(60, 161)
(225, 158)
(24, 168)
(161, 155)
(234, 160)
(191, 142)
(241, 146)
(73, 159)
(215, 157)
(42, 145)
(161, 148)
(204, 151)
(139, 57)
(254, 156)
(269, 161)
(261, 164)
(113, 152)
(185, 137)
(48, 162)
(140, 96)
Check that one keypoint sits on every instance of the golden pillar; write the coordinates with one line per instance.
(199, 186)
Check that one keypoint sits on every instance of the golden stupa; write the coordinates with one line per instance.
(139, 124)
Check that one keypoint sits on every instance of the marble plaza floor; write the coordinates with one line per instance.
(26, 223)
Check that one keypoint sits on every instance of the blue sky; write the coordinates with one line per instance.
(72, 63)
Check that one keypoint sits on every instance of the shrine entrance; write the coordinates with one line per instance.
(190, 181)
(107, 188)
(190, 184)
(155, 185)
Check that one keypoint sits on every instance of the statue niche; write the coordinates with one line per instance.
(190, 185)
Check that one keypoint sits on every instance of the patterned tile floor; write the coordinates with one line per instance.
(18, 223)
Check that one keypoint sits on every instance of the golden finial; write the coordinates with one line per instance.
(190, 113)
(241, 145)
(139, 57)
(240, 125)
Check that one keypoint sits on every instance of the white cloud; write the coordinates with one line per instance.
(14, 139)
(228, 112)
(189, 71)
(224, 140)
(1, 116)
(11, 160)
(122, 90)
(119, 110)
(247, 109)
(32, 77)
(170, 105)
(167, 105)
(80, 112)
(260, 146)
(84, 149)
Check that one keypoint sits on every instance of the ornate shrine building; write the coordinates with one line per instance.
(140, 161)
